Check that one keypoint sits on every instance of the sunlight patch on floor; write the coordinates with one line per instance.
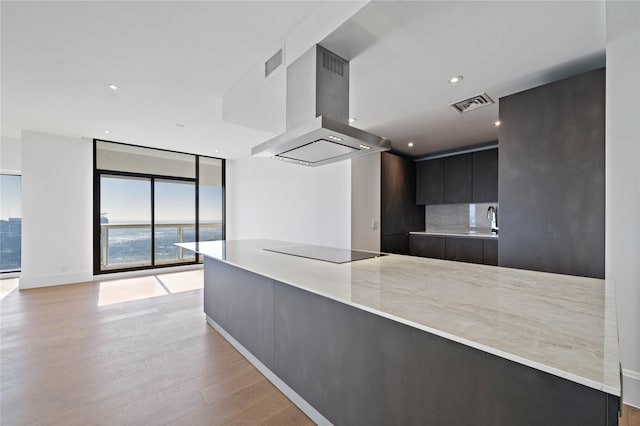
(137, 288)
(7, 286)
(182, 281)
(127, 290)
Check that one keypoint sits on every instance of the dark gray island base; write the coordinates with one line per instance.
(346, 366)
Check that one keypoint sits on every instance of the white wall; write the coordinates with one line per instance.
(623, 183)
(365, 202)
(274, 200)
(10, 155)
(56, 210)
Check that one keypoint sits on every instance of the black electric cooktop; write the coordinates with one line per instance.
(327, 254)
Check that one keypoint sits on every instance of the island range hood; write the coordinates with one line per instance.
(318, 130)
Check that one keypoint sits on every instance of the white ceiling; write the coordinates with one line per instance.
(174, 61)
(403, 53)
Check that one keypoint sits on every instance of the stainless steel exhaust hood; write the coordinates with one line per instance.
(318, 130)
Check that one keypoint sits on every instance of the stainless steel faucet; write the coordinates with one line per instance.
(492, 213)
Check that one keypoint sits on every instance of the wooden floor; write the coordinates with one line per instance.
(630, 416)
(131, 352)
(126, 352)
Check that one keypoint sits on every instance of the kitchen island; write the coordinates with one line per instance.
(407, 340)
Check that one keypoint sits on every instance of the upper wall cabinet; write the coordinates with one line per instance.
(429, 182)
(458, 177)
(485, 176)
(463, 178)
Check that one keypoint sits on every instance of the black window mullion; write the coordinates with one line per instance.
(153, 222)
(224, 199)
(197, 233)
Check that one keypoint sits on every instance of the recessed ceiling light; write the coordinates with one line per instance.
(497, 123)
(363, 146)
(215, 150)
(352, 119)
(410, 144)
(335, 138)
(106, 132)
(113, 87)
(455, 79)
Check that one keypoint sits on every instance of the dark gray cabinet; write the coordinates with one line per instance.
(430, 181)
(464, 249)
(458, 178)
(398, 244)
(552, 177)
(399, 213)
(233, 290)
(490, 252)
(463, 178)
(460, 249)
(428, 246)
(485, 176)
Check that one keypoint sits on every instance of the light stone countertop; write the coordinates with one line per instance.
(560, 324)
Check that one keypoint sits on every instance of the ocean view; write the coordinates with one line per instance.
(132, 245)
(125, 244)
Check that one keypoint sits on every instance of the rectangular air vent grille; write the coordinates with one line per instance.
(333, 63)
(272, 63)
(474, 102)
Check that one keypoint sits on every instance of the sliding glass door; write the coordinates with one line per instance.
(147, 200)
(125, 222)
(175, 220)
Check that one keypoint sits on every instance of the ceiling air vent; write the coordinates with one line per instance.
(473, 103)
(272, 63)
(333, 63)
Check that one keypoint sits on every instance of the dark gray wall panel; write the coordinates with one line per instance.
(399, 213)
(358, 368)
(242, 303)
(552, 177)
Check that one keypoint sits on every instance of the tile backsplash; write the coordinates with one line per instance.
(452, 217)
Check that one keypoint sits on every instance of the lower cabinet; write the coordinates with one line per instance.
(461, 249)
(396, 244)
(490, 252)
(464, 249)
(427, 246)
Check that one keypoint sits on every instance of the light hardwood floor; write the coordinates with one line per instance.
(131, 352)
(135, 351)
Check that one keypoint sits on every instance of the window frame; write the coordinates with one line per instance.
(10, 272)
(97, 174)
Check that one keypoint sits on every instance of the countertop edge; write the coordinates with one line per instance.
(455, 235)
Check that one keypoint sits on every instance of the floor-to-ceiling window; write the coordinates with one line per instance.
(10, 223)
(146, 200)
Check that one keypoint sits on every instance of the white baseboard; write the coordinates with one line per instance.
(9, 275)
(145, 272)
(303, 405)
(48, 280)
(631, 388)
